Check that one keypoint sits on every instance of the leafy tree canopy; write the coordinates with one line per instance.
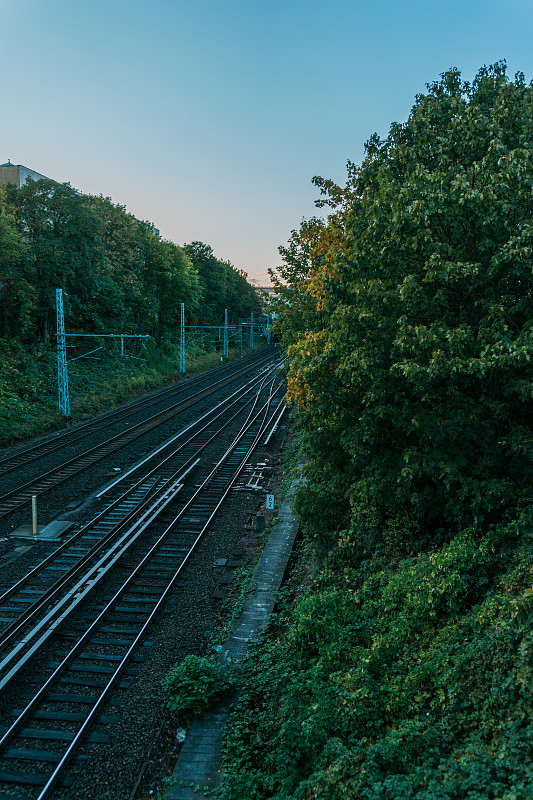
(116, 272)
(408, 315)
(401, 662)
(63, 248)
(15, 294)
(223, 285)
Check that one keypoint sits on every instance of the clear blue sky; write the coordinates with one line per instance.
(210, 118)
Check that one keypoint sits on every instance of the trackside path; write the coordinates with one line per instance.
(198, 769)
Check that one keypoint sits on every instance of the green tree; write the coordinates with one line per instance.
(298, 306)
(241, 298)
(179, 283)
(223, 286)
(117, 274)
(212, 280)
(414, 374)
(63, 249)
(123, 266)
(147, 277)
(16, 295)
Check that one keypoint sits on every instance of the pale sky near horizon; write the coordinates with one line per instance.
(210, 119)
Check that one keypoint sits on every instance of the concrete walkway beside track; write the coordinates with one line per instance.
(199, 767)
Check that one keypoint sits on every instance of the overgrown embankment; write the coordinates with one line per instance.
(395, 675)
(28, 383)
(401, 667)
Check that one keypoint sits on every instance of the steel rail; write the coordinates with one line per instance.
(21, 622)
(275, 425)
(151, 456)
(88, 580)
(170, 412)
(61, 766)
(49, 595)
(57, 441)
(240, 393)
(85, 585)
(88, 458)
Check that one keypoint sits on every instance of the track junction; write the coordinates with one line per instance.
(73, 625)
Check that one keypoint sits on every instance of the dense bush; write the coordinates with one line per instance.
(397, 679)
(406, 671)
(191, 686)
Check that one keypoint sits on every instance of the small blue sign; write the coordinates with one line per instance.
(270, 501)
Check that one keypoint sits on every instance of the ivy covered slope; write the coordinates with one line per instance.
(403, 665)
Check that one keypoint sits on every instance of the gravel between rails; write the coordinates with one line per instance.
(145, 731)
(144, 736)
(56, 502)
(143, 739)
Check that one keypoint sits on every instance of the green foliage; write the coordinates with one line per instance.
(28, 383)
(414, 357)
(297, 307)
(15, 294)
(117, 274)
(223, 286)
(405, 670)
(63, 248)
(192, 686)
(409, 679)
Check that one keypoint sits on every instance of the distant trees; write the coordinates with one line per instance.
(117, 274)
(223, 286)
(15, 292)
(63, 248)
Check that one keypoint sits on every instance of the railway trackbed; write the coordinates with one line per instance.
(104, 436)
(83, 614)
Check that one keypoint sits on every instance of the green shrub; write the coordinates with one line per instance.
(193, 685)
(407, 679)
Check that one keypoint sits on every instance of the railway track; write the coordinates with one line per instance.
(57, 441)
(181, 399)
(99, 593)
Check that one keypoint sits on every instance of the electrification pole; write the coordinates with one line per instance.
(252, 331)
(62, 375)
(226, 344)
(182, 339)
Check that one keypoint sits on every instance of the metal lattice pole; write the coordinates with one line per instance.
(62, 375)
(226, 344)
(182, 339)
(240, 340)
(252, 331)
